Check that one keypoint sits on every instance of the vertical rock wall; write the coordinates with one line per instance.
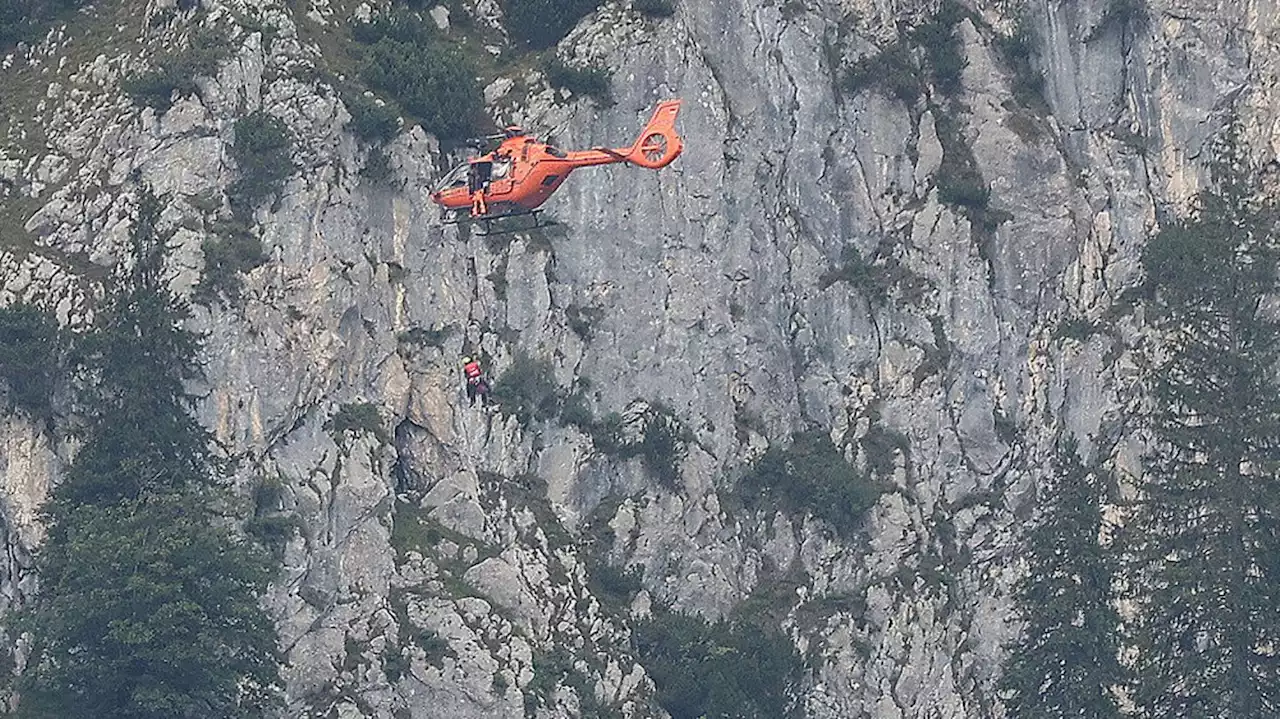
(440, 562)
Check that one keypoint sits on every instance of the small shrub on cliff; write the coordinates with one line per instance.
(590, 81)
(271, 523)
(176, 73)
(725, 669)
(371, 121)
(233, 250)
(527, 389)
(377, 166)
(1018, 50)
(423, 337)
(584, 320)
(960, 182)
(29, 356)
(880, 446)
(654, 8)
(892, 71)
(663, 437)
(356, 418)
(871, 280)
(409, 61)
(942, 46)
(543, 23)
(262, 151)
(811, 476)
(1119, 15)
(663, 447)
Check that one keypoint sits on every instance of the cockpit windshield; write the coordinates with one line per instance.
(457, 177)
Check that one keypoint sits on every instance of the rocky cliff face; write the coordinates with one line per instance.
(442, 556)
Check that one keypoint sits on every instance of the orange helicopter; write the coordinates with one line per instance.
(517, 177)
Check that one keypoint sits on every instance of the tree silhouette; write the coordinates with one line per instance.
(1206, 537)
(147, 606)
(1066, 662)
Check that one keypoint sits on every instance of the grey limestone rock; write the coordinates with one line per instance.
(443, 559)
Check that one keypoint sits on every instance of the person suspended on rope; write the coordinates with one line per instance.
(478, 184)
(477, 385)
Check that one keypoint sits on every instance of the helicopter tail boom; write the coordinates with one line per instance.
(657, 146)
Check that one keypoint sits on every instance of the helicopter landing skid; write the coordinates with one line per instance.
(487, 222)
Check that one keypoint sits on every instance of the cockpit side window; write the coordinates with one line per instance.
(501, 168)
(457, 177)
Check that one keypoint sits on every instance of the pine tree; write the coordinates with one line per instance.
(1066, 663)
(148, 603)
(30, 350)
(148, 612)
(1206, 536)
(136, 361)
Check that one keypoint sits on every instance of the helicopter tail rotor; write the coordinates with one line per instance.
(659, 143)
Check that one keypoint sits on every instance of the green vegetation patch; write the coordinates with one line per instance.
(663, 441)
(176, 73)
(263, 153)
(853, 270)
(960, 182)
(880, 447)
(550, 670)
(942, 47)
(356, 418)
(271, 524)
(1077, 328)
(14, 213)
(527, 389)
(615, 588)
(435, 649)
(1018, 52)
(899, 70)
(584, 320)
(892, 70)
(234, 250)
(395, 660)
(654, 8)
(724, 669)
(371, 120)
(663, 446)
(540, 24)
(811, 476)
(1119, 15)
(556, 668)
(377, 166)
(407, 59)
(593, 82)
(27, 20)
(423, 337)
(412, 530)
(30, 355)
(877, 277)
